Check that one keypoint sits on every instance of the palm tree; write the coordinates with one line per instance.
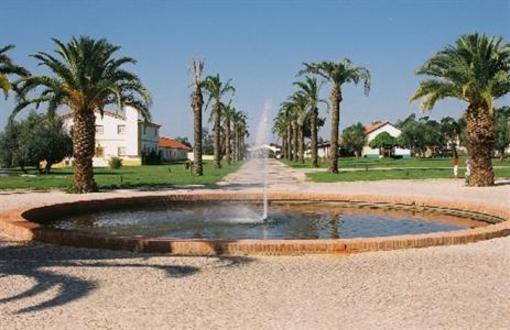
(298, 103)
(310, 88)
(475, 69)
(243, 134)
(290, 116)
(7, 67)
(86, 77)
(280, 128)
(228, 118)
(197, 102)
(240, 130)
(216, 89)
(338, 74)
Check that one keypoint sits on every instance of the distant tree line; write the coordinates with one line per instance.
(426, 137)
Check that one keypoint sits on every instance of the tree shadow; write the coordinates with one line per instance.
(32, 261)
(502, 183)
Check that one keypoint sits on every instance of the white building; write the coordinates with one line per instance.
(171, 149)
(377, 128)
(123, 134)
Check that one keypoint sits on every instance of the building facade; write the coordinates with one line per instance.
(172, 150)
(122, 134)
(377, 128)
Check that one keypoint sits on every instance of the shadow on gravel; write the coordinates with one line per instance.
(33, 260)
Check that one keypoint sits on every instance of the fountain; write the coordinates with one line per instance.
(262, 154)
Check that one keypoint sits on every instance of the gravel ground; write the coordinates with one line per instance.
(465, 286)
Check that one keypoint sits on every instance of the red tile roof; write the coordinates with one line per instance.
(165, 142)
(375, 126)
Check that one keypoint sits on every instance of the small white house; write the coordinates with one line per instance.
(377, 128)
(122, 134)
(171, 149)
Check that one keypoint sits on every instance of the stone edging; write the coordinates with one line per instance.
(18, 225)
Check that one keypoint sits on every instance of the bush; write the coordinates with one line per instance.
(115, 163)
(151, 158)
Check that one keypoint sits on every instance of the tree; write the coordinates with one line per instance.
(338, 74)
(289, 116)
(502, 138)
(35, 140)
(207, 142)
(384, 142)
(310, 89)
(7, 68)
(184, 140)
(412, 136)
(476, 70)
(434, 139)
(297, 103)
(197, 102)
(228, 117)
(281, 129)
(240, 128)
(216, 89)
(85, 77)
(354, 138)
(53, 141)
(451, 130)
(9, 142)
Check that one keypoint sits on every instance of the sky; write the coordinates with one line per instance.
(260, 45)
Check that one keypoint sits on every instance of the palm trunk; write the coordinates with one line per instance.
(284, 145)
(335, 99)
(289, 142)
(313, 146)
(234, 143)
(84, 132)
(197, 103)
(480, 128)
(301, 137)
(242, 147)
(295, 141)
(217, 134)
(227, 141)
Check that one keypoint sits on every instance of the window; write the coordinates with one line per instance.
(121, 129)
(121, 151)
(99, 151)
(99, 129)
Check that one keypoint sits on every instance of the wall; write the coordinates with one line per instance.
(174, 154)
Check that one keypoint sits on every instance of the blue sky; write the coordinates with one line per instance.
(260, 45)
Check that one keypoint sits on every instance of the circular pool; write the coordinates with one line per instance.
(235, 220)
(230, 223)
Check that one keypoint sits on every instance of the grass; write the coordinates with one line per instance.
(351, 162)
(395, 174)
(125, 177)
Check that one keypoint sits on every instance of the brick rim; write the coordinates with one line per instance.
(19, 225)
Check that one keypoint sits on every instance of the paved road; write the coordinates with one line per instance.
(252, 173)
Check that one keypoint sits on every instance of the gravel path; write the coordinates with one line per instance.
(464, 286)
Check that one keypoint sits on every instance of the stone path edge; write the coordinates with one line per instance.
(18, 224)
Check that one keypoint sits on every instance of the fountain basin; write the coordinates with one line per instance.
(39, 224)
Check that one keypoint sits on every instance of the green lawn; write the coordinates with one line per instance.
(395, 174)
(351, 162)
(125, 177)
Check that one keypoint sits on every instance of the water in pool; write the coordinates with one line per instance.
(235, 220)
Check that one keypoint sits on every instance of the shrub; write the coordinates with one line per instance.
(151, 158)
(115, 163)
